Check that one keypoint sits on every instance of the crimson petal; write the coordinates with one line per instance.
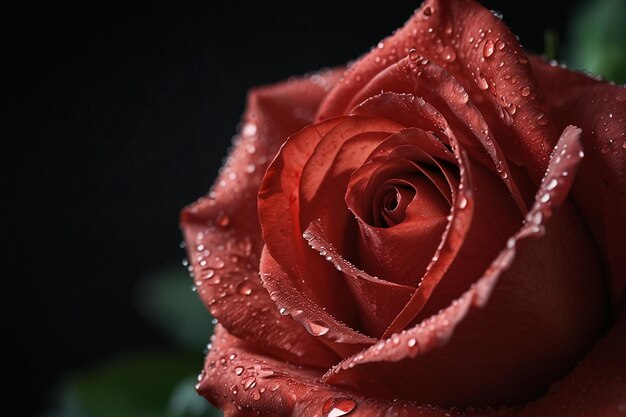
(222, 233)
(481, 52)
(244, 382)
(600, 190)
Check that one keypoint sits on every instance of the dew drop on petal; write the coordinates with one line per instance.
(244, 288)
(480, 81)
(337, 407)
(462, 201)
(542, 119)
(488, 48)
(552, 184)
(248, 383)
(222, 219)
(525, 91)
(316, 327)
(448, 54)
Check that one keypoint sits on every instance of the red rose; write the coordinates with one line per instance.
(414, 236)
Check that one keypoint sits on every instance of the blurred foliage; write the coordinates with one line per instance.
(166, 301)
(148, 383)
(598, 39)
(141, 384)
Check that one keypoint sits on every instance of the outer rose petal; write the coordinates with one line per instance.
(222, 231)
(245, 382)
(484, 56)
(600, 189)
(596, 387)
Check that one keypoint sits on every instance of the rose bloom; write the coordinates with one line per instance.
(439, 229)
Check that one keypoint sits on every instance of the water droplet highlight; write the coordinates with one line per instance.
(525, 91)
(488, 48)
(337, 407)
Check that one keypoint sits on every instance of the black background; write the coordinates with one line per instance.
(116, 116)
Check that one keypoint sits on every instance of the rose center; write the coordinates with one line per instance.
(393, 204)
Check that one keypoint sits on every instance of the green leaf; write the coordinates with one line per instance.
(134, 385)
(598, 39)
(165, 299)
(185, 401)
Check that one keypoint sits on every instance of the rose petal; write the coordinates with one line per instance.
(596, 387)
(222, 232)
(244, 381)
(482, 54)
(378, 301)
(295, 303)
(466, 356)
(600, 190)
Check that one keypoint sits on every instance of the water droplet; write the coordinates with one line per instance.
(222, 219)
(316, 327)
(500, 45)
(510, 243)
(462, 201)
(380, 45)
(248, 383)
(606, 147)
(525, 91)
(551, 185)
(256, 395)
(249, 129)
(244, 288)
(411, 342)
(282, 311)
(448, 54)
(545, 198)
(488, 48)
(238, 370)
(542, 119)
(218, 262)
(536, 218)
(413, 55)
(511, 108)
(250, 168)
(480, 81)
(496, 14)
(337, 407)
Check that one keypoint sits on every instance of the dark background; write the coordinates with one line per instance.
(116, 116)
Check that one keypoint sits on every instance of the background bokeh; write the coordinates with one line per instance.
(116, 115)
